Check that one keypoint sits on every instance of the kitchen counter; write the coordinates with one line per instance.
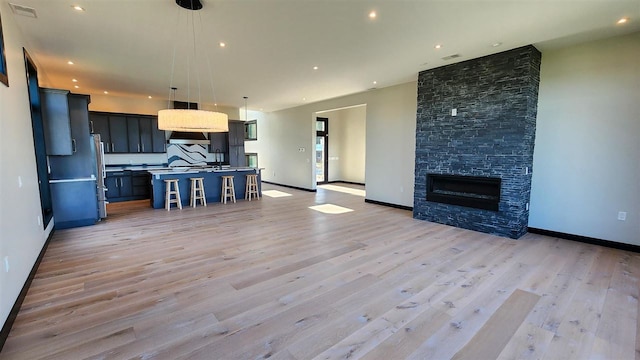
(212, 182)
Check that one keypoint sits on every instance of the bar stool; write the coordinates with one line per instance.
(197, 192)
(251, 189)
(168, 192)
(228, 191)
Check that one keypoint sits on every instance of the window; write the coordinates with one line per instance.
(251, 130)
(252, 159)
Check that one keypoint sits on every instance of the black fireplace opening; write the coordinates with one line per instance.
(470, 191)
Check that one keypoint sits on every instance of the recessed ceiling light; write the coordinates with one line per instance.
(438, 46)
(315, 68)
(78, 7)
(70, 62)
(375, 82)
(496, 44)
(77, 87)
(150, 97)
(304, 99)
(74, 80)
(106, 92)
(223, 44)
(623, 21)
(372, 14)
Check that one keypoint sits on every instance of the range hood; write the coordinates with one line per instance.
(188, 138)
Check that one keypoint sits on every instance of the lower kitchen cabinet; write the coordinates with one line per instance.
(75, 203)
(141, 184)
(128, 185)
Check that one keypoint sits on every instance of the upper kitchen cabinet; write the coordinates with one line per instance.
(119, 133)
(129, 133)
(99, 124)
(236, 132)
(79, 164)
(158, 137)
(56, 121)
(133, 134)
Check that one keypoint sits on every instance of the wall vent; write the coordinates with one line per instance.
(451, 57)
(23, 10)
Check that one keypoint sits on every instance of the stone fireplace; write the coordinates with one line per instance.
(475, 132)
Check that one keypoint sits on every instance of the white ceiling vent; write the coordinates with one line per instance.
(23, 10)
(451, 57)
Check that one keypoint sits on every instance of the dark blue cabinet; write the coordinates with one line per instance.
(56, 121)
(74, 203)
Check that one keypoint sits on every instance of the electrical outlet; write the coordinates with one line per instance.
(454, 112)
(622, 215)
(39, 220)
(527, 206)
(6, 264)
(526, 170)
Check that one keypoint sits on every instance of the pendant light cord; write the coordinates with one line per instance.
(173, 65)
(213, 90)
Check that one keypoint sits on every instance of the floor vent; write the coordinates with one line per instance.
(23, 10)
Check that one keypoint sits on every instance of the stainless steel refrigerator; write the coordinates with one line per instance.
(101, 176)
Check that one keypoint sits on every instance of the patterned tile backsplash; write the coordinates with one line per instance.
(186, 155)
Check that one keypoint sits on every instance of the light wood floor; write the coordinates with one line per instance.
(275, 279)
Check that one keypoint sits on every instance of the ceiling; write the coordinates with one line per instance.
(126, 47)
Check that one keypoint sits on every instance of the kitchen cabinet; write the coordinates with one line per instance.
(129, 133)
(230, 144)
(158, 137)
(81, 163)
(99, 124)
(133, 134)
(145, 134)
(119, 134)
(219, 142)
(236, 156)
(56, 122)
(74, 203)
(141, 183)
(236, 133)
(127, 185)
(73, 178)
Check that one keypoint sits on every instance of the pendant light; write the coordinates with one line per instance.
(191, 120)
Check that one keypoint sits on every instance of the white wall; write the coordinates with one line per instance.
(587, 152)
(21, 236)
(347, 134)
(389, 142)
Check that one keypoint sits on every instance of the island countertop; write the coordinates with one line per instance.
(212, 182)
(199, 169)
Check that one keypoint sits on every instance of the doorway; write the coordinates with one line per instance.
(38, 140)
(322, 150)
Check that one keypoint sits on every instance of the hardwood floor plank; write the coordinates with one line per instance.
(494, 335)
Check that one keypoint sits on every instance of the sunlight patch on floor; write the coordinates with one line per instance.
(275, 193)
(330, 209)
(343, 189)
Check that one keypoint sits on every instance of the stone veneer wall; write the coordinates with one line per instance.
(492, 135)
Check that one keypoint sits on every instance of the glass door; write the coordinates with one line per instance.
(322, 150)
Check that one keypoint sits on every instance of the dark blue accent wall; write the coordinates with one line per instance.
(492, 135)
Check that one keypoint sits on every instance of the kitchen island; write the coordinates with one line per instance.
(212, 182)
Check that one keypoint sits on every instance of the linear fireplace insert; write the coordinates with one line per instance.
(470, 191)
